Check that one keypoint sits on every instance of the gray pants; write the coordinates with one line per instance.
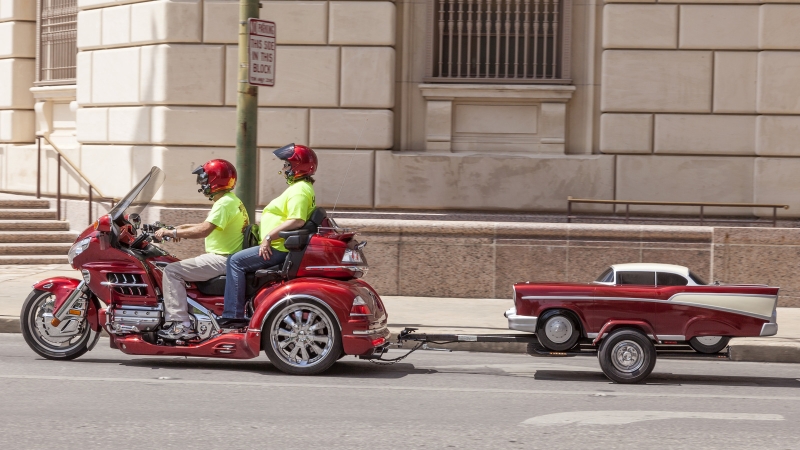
(201, 268)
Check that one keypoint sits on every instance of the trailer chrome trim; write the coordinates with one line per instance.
(769, 329)
(520, 323)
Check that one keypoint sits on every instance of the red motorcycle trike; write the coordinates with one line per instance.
(305, 315)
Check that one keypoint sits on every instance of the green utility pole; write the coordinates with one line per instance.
(246, 116)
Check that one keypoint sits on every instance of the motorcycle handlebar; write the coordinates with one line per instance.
(153, 227)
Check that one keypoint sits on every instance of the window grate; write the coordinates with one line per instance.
(499, 40)
(57, 47)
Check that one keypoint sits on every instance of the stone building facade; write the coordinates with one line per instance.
(445, 100)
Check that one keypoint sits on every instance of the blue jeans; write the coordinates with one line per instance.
(247, 260)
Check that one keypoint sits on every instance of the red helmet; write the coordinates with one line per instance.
(301, 160)
(215, 176)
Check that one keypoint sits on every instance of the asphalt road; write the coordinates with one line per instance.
(430, 400)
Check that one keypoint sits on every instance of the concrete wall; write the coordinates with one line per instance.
(700, 101)
(17, 71)
(676, 101)
(157, 86)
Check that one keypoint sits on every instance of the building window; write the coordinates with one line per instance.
(499, 41)
(56, 48)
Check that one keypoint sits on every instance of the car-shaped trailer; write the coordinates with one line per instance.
(630, 315)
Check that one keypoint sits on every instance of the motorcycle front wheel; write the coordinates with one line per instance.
(69, 340)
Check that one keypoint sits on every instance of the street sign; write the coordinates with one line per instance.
(261, 51)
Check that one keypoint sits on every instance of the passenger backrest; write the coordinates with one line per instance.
(316, 220)
(296, 241)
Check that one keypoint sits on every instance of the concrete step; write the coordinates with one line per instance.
(27, 214)
(50, 248)
(22, 237)
(33, 259)
(24, 204)
(33, 225)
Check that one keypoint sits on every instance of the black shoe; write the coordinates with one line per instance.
(233, 323)
(177, 332)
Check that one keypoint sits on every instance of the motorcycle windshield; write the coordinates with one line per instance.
(140, 196)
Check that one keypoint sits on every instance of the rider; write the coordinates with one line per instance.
(222, 231)
(287, 212)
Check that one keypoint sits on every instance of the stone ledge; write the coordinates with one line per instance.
(756, 236)
(498, 180)
(565, 231)
(536, 92)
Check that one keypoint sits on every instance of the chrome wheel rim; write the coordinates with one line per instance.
(627, 356)
(709, 340)
(558, 329)
(63, 339)
(302, 335)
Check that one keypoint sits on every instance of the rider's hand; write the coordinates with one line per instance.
(161, 232)
(265, 250)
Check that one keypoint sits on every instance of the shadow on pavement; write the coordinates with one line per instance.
(673, 379)
(342, 369)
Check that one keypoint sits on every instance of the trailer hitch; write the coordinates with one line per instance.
(422, 339)
(409, 334)
(403, 336)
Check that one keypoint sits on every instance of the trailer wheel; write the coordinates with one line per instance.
(557, 330)
(627, 356)
(709, 344)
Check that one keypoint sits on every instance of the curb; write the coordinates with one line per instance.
(774, 352)
(9, 324)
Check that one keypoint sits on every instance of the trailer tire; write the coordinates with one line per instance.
(707, 345)
(558, 330)
(627, 356)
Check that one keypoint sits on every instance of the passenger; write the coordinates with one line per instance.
(287, 212)
(222, 231)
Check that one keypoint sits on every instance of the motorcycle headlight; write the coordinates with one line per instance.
(78, 248)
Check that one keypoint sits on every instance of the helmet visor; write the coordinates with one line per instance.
(284, 152)
(202, 176)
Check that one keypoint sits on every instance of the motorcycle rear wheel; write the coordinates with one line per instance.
(36, 311)
(302, 338)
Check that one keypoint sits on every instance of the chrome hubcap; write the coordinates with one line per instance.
(68, 335)
(301, 335)
(709, 340)
(627, 356)
(558, 329)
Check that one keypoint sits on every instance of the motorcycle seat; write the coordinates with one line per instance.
(216, 285)
(268, 272)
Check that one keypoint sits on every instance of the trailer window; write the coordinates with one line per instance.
(670, 279)
(638, 278)
(696, 279)
(606, 277)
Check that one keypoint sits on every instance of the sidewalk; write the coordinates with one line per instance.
(430, 315)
